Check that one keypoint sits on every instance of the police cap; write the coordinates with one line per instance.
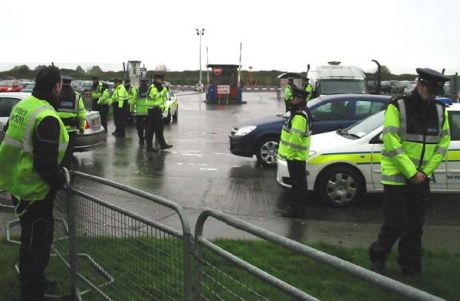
(66, 79)
(432, 79)
(95, 78)
(117, 80)
(158, 76)
(299, 93)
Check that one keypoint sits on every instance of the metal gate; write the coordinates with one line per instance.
(119, 255)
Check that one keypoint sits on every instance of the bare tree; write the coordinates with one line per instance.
(161, 67)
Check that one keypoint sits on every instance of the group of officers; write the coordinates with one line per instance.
(416, 138)
(126, 103)
(38, 146)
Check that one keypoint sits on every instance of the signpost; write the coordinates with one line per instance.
(223, 89)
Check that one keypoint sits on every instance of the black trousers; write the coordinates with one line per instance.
(103, 111)
(94, 105)
(404, 216)
(37, 229)
(67, 161)
(298, 176)
(120, 119)
(287, 104)
(141, 125)
(155, 126)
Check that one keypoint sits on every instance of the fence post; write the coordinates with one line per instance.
(188, 269)
(73, 259)
(197, 271)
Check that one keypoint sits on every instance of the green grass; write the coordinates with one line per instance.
(147, 268)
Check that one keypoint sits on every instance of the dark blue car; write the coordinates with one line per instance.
(260, 137)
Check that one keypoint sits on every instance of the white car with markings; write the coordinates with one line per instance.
(345, 164)
(171, 110)
(92, 137)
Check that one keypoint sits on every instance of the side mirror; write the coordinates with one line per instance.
(378, 139)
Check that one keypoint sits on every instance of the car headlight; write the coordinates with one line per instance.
(245, 130)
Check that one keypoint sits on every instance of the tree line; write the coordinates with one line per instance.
(187, 77)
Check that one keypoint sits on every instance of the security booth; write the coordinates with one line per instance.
(284, 79)
(223, 84)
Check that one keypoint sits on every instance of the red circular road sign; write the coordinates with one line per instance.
(217, 70)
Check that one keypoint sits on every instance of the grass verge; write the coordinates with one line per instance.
(441, 275)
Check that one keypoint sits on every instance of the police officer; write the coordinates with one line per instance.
(138, 107)
(133, 94)
(288, 90)
(416, 137)
(96, 92)
(308, 89)
(294, 146)
(104, 103)
(156, 102)
(30, 158)
(72, 112)
(119, 98)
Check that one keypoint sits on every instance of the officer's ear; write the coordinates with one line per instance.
(57, 88)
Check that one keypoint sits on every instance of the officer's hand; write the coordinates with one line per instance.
(418, 178)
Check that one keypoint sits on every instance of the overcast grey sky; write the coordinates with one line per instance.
(283, 35)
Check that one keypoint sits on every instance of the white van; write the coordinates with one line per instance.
(336, 79)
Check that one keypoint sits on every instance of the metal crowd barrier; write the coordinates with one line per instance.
(215, 282)
(115, 254)
(119, 255)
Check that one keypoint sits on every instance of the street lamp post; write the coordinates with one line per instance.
(200, 33)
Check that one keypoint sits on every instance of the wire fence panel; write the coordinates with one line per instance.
(124, 256)
(225, 275)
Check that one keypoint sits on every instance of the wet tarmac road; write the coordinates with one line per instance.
(199, 172)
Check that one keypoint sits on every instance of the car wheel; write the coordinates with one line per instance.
(167, 119)
(340, 186)
(176, 114)
(267, 150)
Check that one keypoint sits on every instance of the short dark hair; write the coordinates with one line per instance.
(47, 77)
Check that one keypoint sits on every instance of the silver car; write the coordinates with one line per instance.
(91, 138)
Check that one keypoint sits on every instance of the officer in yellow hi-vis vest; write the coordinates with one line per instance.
(416, 137)
(156, 102)
(294, 146)
(119, 98)
(72, 112)
(104, 103)
(288, 90)
(308, 89)
(138, 107)
(30, 158)
(96, 92)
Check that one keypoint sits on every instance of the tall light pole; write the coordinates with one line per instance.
(200, 33)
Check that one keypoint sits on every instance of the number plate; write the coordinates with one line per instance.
(96, 122)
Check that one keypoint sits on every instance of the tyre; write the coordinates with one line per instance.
(167, 119)
(176, 114)
(267, 150)
(340, 186)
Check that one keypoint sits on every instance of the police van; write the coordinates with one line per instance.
(336, 79)
(345, 164)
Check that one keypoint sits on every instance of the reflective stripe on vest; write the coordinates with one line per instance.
(395, 178)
